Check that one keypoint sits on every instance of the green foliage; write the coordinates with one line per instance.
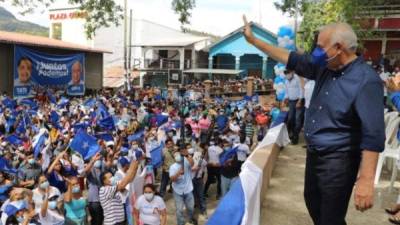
(317, 13)
(101, 13)
(8, 22)
(183, 8)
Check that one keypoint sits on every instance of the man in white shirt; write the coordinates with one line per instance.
(384, 77)
(213, 168)
(294, 99)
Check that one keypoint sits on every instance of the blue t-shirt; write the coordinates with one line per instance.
(57, 181)
(221, 121)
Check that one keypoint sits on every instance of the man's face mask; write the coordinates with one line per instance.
(320, 56)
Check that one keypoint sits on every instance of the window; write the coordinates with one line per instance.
(57, 31)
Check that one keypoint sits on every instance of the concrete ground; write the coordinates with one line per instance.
(212, 204)
(284, 203)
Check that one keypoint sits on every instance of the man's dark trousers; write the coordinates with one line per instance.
(295, 120)
(329, 181)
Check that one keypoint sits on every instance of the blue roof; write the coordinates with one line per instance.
(235, 43)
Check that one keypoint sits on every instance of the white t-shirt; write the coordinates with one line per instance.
(38, 197)
(384, 77)
(243, 151)
(148, 213)
(213, 154)
(51, 218)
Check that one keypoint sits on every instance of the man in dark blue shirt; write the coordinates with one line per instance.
(344, 126)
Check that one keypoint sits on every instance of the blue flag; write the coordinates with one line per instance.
(21, 128)
(136, 136)
(14, 139)
(156, 156)
(85, 145)
(52, 98)
(79, 126)
(63, 102)
(30, 103)
(107, 123)
(9, 103)
(102, 110)
(231, 208)
(161, 119)
(6, 167)
(90, 103)
(228, 154)
(105, 136)
(38, 142)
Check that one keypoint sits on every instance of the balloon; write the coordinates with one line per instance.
(275, 113)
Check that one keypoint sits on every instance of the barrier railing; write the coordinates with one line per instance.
(242, 204)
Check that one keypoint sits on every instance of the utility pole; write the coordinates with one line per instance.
(296, 15)
(125, 41)
(130, 49)
(260, 12)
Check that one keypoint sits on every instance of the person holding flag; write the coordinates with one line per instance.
(111, 202)
(180, 174)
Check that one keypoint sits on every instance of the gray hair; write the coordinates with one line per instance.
(342, 33)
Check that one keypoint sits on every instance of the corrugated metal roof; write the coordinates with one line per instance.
(213, 71)
(31, 40)
(176, 42)
(114, 76)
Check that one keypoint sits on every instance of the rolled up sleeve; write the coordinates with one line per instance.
(369, 107)
(302, 65)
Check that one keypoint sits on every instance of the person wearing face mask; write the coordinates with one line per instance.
(17, 213)
(294, 99)
(49, 212)
(111, 202)
(344, 127)
(39, 193)
(230, 170)
(29, 171)
(198, 170)
(181, 177)
(74, 204)
(92, 171)
(150, 209)
(168, 156)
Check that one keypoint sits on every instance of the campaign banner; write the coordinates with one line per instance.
(35, 70)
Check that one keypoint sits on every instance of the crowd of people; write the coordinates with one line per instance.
(145, 147)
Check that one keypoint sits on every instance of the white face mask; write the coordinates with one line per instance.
(178, 158)
(191, 151)
(149, 196)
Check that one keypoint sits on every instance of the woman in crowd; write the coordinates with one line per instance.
(75, 204)
(150, 208)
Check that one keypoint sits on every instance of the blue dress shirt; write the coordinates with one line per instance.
(346, 109)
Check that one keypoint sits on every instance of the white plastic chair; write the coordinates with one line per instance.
(391, 151)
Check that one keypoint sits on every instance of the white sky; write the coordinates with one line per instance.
(214, 16)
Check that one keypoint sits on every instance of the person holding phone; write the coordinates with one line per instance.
(180, 174)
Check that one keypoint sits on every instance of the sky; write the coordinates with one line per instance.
(218, 17)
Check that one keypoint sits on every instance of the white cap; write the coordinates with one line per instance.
(109, 143)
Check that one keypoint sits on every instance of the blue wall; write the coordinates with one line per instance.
(237, 46)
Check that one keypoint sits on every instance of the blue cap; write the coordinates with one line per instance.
(123, 161)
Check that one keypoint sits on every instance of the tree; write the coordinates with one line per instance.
(183, 8)
(317, 13)
(102, 13)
